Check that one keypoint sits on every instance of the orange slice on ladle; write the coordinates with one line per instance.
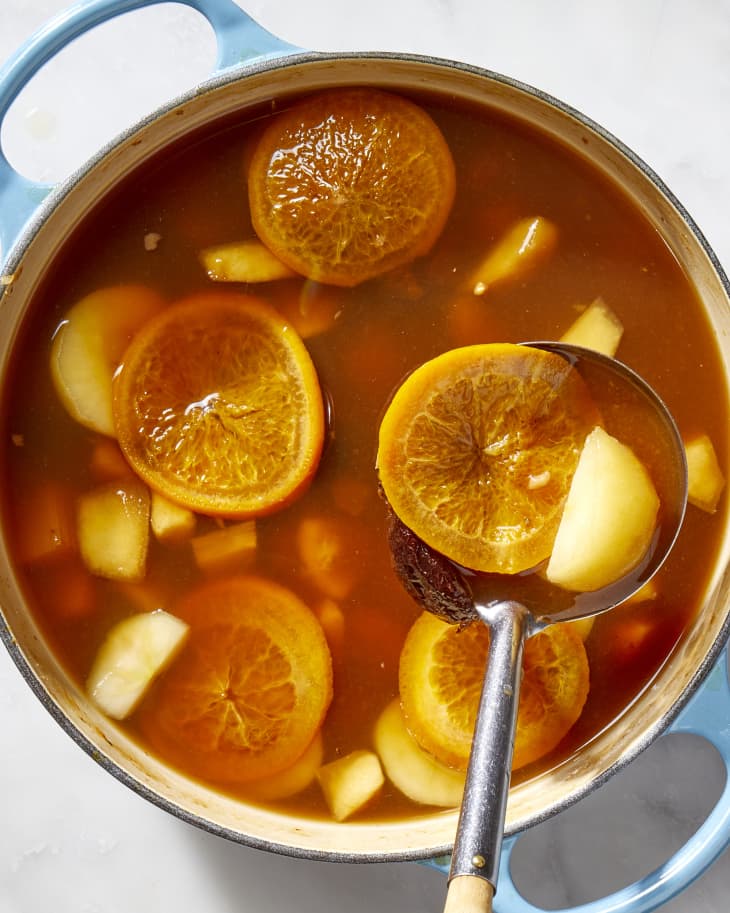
(477, 450)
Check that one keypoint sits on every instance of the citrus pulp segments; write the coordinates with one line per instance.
(217, 406)
(349, 184)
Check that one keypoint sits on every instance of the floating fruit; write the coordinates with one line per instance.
(477, 450)
(349, 184)
(133, 654)
(609, 517)
(441, 673)
(255, 685)
(88, 346)
(217, 406)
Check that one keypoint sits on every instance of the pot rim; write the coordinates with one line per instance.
(296, 58)
(14, 258)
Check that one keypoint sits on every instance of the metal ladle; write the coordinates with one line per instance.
(511, 609)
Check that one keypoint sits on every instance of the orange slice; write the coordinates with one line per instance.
(217, 406)
(477, 450)
(441, 674)
(251, 688)
(350, 183)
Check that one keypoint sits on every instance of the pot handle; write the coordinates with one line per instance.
(239, 38)
(705, 715)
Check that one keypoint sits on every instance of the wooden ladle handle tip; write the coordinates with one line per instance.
(469, 894)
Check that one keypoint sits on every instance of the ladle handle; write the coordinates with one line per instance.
(478, 844)
(706, 715)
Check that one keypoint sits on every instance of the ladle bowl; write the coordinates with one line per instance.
(447, 591)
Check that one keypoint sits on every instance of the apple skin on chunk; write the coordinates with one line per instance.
(609, 517)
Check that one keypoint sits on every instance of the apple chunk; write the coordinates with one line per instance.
(416, 773)
(88, 346)
(230, 548)
(609, 517)
(350, 782)
(704, 476)
(135, 651)
(113, 529)
(170, 522)
(295, 778)
(518, 250)
(46, 523)
(597, 328)
(243, 261)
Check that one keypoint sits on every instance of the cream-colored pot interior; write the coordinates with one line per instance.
(433, 833)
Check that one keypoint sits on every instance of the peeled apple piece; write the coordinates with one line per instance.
(170, 522)
(350, 782)
(609, 517)
(597, 328)
(704, 476)
(294, 779)
(88, 347)
(412, 770)
(113, 524)
(518, 250)
(133, 654)
(243, 261)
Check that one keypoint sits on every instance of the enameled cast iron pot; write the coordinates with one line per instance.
(690, 693)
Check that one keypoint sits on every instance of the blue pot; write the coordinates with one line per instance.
(689, 694)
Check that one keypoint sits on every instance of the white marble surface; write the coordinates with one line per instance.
(654, 72)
